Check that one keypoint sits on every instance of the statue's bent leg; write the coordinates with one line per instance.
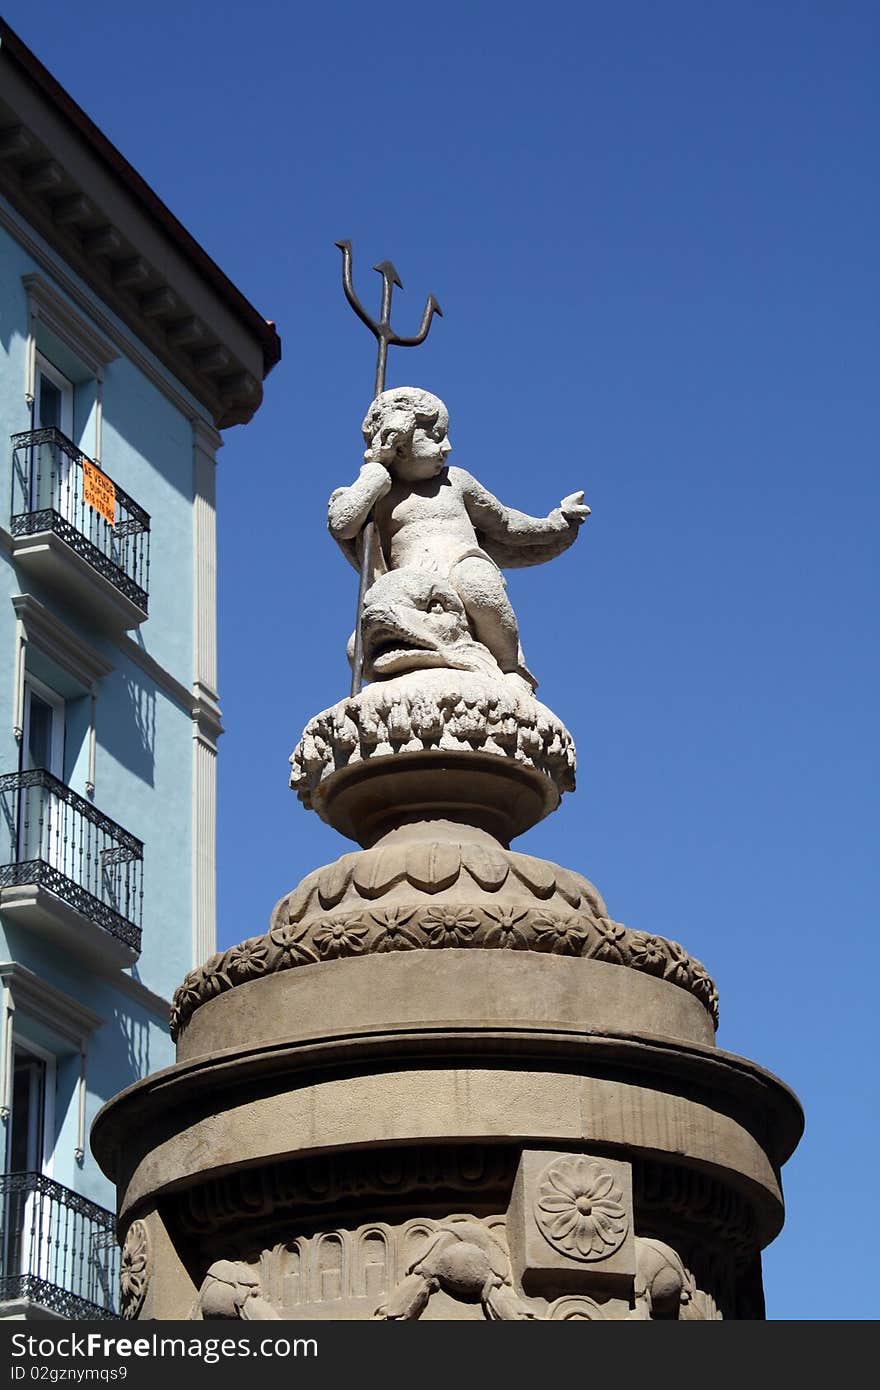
(493, 622)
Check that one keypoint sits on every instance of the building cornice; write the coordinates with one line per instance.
(56, 313)
(206, 716)
(59, 1011)
(76, 189)
(128, 343)
(59, 642)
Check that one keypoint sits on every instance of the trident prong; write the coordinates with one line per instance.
(384, 335)
(382, 330)
(345, 248)
(431, 308)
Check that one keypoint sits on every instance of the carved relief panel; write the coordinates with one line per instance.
(570, 1225)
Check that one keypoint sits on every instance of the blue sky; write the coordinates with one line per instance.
(653, 230)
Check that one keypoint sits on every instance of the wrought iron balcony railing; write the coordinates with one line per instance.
(55, 487)
(57, 1248)
(61, 842)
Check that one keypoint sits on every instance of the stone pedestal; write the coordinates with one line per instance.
(446, 1083)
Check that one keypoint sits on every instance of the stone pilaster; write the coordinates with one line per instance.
(206, 709)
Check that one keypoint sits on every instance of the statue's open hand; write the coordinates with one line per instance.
(383, 451)
(574, 508)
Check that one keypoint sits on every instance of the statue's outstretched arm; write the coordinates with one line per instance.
(503, 523)
(349, 507)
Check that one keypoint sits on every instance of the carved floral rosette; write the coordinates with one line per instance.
(434, 896)
(449, 711)
(135, 1269)
(579, 1209)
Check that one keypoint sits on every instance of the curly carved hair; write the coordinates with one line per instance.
(427, 409)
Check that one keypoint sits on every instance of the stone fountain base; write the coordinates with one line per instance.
(446, 1084)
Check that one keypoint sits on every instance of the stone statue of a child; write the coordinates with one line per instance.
(430, 516)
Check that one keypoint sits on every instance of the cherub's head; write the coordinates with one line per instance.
(405, 428)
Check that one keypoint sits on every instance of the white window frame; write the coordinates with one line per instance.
(91, 348)
(44, 368)
(57, 702)
(58, 1013)
(32, 1214)
(21, 1043)
(64, 494)
(49, 844)
(36, 625)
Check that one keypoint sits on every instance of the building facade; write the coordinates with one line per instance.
(124, 351)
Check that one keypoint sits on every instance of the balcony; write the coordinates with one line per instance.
(69, 872)
(74, 528)
(58, 1251)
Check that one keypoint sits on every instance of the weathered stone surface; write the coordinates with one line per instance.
(455, 1266)
(395, 992)
(466, 1261)
(397, 1051)
(570, 1224)
(231, 1291)
(435, 519)
(154, 1283)
(446, 714)
(136, 1268)
(416, 891)
(413, 620)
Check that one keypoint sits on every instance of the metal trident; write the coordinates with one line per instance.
(382, 331)
(385, 336)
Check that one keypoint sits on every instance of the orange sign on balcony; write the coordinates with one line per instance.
(98, 491)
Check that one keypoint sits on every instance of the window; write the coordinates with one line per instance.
(54, 668)
(42, 830)
(43, 742)
(44, 1032)
(65, 369)
(26, 1238)
(73, 526)
(53, 398)
(46, 1242)
(52, 481)
(58, 851)
(29, 1126)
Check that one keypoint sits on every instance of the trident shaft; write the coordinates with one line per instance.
(385, 337)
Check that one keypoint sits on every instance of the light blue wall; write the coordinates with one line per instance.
(143, 780)
(144, 735)
(148, 450)
(130, 1043)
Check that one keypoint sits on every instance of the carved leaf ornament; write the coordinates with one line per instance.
(511, 901)
(393, 717)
